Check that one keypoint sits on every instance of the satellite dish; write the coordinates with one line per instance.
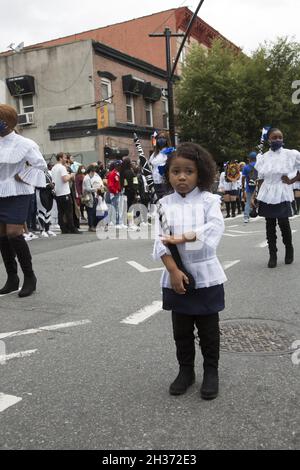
(19, 47)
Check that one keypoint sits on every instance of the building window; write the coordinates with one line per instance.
(106, 89)
(165, 113)
(25, 104)
(149, 113)
(130, 108)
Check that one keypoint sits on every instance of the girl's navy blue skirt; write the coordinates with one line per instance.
(14, 209)
(275, 211)
(205, 301)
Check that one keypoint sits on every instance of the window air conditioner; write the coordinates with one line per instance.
(26, 119)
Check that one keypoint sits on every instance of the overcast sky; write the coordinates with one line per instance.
(247, 23)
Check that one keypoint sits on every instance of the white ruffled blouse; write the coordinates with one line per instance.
(271, 166)
(227, 185)
(20, 156)
(198, 212)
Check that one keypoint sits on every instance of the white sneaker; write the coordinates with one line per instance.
(51, 234)
(44, 235)
(133, 228)
(29, 236)
(246, 221)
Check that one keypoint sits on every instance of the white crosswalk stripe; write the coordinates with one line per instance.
(6, 401)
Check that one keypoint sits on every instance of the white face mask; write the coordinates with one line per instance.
(82, 171)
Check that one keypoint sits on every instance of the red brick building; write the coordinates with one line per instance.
(132, 36)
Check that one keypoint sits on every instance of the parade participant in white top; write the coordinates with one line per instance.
(229, 185)
(158, 161)
(21, 169)
(61, 179)
(197, 224)
(274, 196)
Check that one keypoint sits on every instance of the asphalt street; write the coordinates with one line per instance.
(86, 362)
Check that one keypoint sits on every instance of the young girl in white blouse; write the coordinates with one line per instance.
(21, 169)
(274, 196)
(196, 222)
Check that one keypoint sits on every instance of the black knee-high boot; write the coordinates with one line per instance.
(183, 331)
(227, 204)
(286, 233)
(24, 257)
(209, 334)
(9, 255)
(298, 205)
(238, 205)
(271, 238)
(233, 207)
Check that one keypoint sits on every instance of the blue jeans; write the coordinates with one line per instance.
(115, 202)
(91, 213)
(248, 205)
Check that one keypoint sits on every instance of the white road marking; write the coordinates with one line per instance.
(43, 328)
(4, 295)
(228, 264)
(231, 235)
(89, 266)
(8, 400)
(143, 314)
(141, 268)
(248, 231)
(262, 245)
(232, 226)
(18, 355)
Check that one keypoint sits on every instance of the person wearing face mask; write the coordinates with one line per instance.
(158, 161)
(22, 169)
(274, 196)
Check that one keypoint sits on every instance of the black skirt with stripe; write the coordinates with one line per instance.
(205, 301)
(14, 209)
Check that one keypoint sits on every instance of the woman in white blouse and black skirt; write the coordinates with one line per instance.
(21, 169)
(274, 196)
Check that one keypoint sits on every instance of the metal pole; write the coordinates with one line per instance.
(168, 34)
(185, 37)
(170, 88)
